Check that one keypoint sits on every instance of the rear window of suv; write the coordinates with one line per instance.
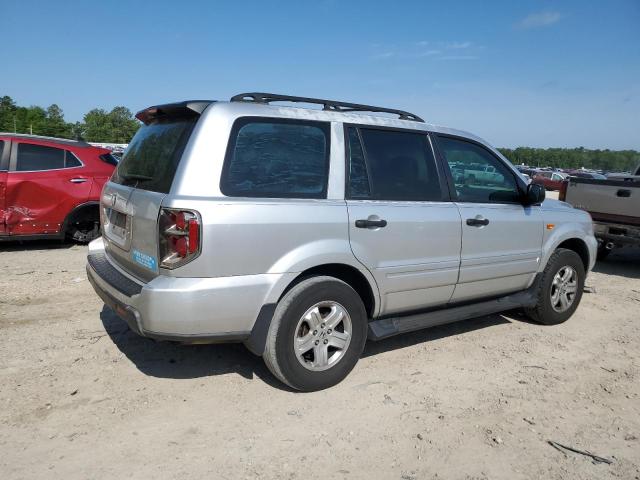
(152, 158)
(391, 165)
(276, 158)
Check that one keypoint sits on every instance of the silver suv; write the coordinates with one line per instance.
(304, 232)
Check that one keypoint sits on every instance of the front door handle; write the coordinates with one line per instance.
(477, 222)
(623, 193)
(371, 223)
(78, 180)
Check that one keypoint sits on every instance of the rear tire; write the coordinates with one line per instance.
(560, 288)
(317, 334)
(84, 226)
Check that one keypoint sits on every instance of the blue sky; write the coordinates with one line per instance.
(535, 73)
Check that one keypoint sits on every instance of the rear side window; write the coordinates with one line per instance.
(399, 166)
(152, 158)
(277, 158)
(109, 158)
(32, 157)
(71, 160)
(358, 185)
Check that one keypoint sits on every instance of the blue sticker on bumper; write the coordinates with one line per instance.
(145, 260)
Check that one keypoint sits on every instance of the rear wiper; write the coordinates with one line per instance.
(135, 176)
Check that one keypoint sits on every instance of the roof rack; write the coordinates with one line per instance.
(329, 105)
(64, 141)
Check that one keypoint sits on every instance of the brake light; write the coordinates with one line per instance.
(179, 237)
(563, 190)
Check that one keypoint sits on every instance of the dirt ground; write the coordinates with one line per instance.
(83, 397)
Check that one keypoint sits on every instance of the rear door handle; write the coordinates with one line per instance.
(624, 193)
(371, 223)
(78, 180)
(477, 222)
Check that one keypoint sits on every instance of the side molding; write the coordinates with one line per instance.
(388, 327)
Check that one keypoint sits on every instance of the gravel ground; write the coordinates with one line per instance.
(83, 397)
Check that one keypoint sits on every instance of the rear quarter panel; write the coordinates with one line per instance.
(254, 236)
(99, 171)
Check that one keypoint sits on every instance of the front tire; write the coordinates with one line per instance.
(560, 288)
(317, 334)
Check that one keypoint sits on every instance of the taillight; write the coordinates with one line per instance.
(179, 236)
(563, 190)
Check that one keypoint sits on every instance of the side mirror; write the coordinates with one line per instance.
(535, 194)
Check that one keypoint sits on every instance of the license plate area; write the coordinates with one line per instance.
(117, 227)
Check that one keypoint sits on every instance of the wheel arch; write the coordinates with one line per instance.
(580, 247)
(363, 284)
(349, 275)
(79, 210)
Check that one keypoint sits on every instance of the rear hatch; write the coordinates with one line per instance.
(131, 201)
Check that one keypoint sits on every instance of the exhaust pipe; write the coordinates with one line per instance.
(609, 245)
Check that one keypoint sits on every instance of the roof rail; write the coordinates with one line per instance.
(65, 141)
(329, 105)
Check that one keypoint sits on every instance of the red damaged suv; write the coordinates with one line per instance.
(50, 187)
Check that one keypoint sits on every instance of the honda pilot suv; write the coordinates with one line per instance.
(304, 232)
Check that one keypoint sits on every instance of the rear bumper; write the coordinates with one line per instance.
(618, 233)
(203, 310)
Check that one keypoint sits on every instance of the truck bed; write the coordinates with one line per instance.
(616, 201)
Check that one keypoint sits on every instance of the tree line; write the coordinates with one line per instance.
(119, 125)
(98, 125)
(607, 160)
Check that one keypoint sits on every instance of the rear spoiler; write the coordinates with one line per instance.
(188, 108)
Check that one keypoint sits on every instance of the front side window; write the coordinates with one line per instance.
(32, 157)
(275, 158)
(478, 175)
(400, 166)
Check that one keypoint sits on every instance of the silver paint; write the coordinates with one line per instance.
(252, 249)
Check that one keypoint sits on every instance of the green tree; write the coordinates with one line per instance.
(96, 126)
(55, 126)
(123, 125)
(116, 126)
(7, 114)
(621, 160)
(30, 120)
(77, 131)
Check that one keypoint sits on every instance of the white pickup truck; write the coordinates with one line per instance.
(614, 205)
(484, 174)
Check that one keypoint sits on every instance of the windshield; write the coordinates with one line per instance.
(151, 159)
